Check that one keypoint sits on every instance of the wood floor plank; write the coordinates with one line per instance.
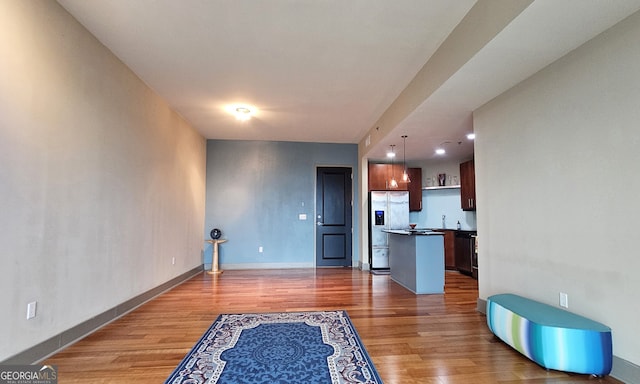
(412, 339)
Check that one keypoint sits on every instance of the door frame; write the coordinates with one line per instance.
(315, 213)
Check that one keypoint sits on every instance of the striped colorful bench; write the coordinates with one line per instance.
(550, 336)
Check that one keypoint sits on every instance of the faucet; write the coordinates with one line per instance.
(443, 225)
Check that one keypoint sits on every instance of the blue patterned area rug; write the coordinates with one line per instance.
(285, 348)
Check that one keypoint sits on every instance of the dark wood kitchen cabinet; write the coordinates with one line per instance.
(468, 186)
(415, 189)
(378, 180)
(380, 176)
(449, 249)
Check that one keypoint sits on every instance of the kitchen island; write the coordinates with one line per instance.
(416, 260)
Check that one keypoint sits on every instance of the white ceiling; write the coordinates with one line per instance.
(326, 70)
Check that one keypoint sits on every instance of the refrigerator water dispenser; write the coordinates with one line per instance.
(379, 218)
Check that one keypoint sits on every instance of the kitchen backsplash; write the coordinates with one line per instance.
(438, 202)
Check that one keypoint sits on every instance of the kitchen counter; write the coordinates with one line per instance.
(409, 232)
(453, 229)
(416, 260)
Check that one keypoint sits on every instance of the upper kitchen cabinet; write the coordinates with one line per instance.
(415, 189)
(380, 177)
(468, 186)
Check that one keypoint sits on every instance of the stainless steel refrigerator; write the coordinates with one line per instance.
(387, 210)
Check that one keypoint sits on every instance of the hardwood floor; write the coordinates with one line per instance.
(435, 339)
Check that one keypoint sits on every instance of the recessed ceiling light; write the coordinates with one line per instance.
(471, 136)
(440, 151)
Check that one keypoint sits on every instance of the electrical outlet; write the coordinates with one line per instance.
(173, 261)
(260, 249)
(31, 310)
(564, 300)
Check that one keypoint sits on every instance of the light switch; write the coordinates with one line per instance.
(302, 216)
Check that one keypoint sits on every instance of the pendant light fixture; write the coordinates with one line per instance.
(405, 175)
(392, 183)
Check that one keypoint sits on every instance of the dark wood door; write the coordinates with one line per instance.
(333, 217)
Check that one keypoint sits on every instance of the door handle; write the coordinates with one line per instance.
(319, 223)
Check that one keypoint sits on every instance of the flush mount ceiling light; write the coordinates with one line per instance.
(241, 112)
(440, 151)
(471, 136)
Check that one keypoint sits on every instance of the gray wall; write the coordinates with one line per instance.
(558, 186)
(101, 184)
(255, 192)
